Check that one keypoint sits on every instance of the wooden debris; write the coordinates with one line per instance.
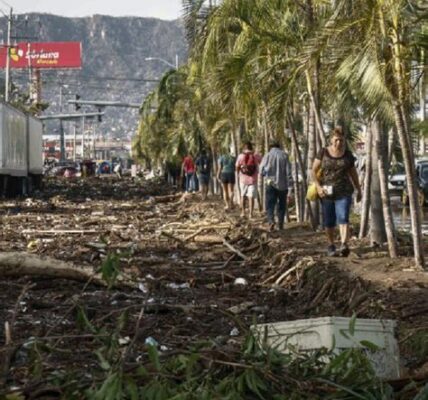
(19, 264)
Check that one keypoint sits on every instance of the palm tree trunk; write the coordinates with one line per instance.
(415, 211)
(400, 116)
(365, 204)
(312, 147)
(315, 109)
(296, 184)
(379, 140)
(422, 102)
(377, 222)
(236, 146)
(215, 187)
(301, 166)
(391, 145)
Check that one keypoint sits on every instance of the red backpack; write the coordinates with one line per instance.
(249, 167)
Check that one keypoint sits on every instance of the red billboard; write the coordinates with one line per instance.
(43, 55)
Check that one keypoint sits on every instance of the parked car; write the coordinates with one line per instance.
(421, 182)
(396, 180)
(59, 168)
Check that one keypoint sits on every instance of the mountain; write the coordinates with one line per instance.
(113, 61)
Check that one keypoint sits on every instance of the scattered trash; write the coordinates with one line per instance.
(178, 285)
(151, 342)
(234, 332)
(124, 341)
(143, 287)
(241, 307)
(240, 281)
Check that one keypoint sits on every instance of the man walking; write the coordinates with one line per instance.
(276, 169)
(203, 171)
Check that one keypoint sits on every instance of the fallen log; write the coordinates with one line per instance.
(14, 264)
(212, 239)
(167, 198)
(58, 232)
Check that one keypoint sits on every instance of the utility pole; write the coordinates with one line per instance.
(74, 141)
(9, 30)
(61, 128)
(83, 138)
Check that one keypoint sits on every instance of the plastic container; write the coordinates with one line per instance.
(316, 333)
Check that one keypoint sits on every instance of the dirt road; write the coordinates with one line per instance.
(201, 274)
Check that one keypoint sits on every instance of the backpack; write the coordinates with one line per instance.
(249, 167)
(204, 165)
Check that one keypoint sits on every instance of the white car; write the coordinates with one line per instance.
(396, 183)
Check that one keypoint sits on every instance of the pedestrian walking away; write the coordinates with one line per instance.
(203, 171)
(118, 170)
(276, 170)
(226, 175)
(188, 170)
(335, 177)
(247, 167)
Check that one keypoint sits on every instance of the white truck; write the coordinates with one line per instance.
(21, 152)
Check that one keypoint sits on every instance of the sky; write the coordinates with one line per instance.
(164, 9)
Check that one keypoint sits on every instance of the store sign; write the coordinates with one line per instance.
(43, 55)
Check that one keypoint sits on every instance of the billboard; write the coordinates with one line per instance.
(43, 55)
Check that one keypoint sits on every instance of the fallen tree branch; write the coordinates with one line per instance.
(15, 264)
(286, 273)
(59, 232)
(8, 327)
(236, 251)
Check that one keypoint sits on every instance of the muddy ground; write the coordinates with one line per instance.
(202, 274)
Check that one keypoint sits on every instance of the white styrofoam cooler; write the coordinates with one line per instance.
(316, 333)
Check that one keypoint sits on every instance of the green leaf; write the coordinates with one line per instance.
(15, 396)
(154, 356)
(352, 324)
(131, 388)
(371, 346)
(110, 269)
(83, 321)
(104, 364)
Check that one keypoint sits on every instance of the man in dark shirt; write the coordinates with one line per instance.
(203, 171)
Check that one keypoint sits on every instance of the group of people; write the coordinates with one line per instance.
(333, 173)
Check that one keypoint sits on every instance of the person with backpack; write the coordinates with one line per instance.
(188, 170)
(226, 175)
(276, 169)
(247, 168)
(203, 171)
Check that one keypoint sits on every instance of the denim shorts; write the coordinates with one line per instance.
(204, 179)
(228, 178)
(336, 211)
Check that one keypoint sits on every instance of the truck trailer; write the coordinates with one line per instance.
(21, 152)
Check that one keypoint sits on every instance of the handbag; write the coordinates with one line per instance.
(312, 193)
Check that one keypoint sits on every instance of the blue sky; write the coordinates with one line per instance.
(164, 9)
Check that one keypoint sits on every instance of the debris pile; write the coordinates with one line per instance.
(195, 274)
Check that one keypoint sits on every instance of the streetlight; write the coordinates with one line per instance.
(164, 61)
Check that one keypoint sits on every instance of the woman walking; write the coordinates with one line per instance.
(335, 186)
(226, 174)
